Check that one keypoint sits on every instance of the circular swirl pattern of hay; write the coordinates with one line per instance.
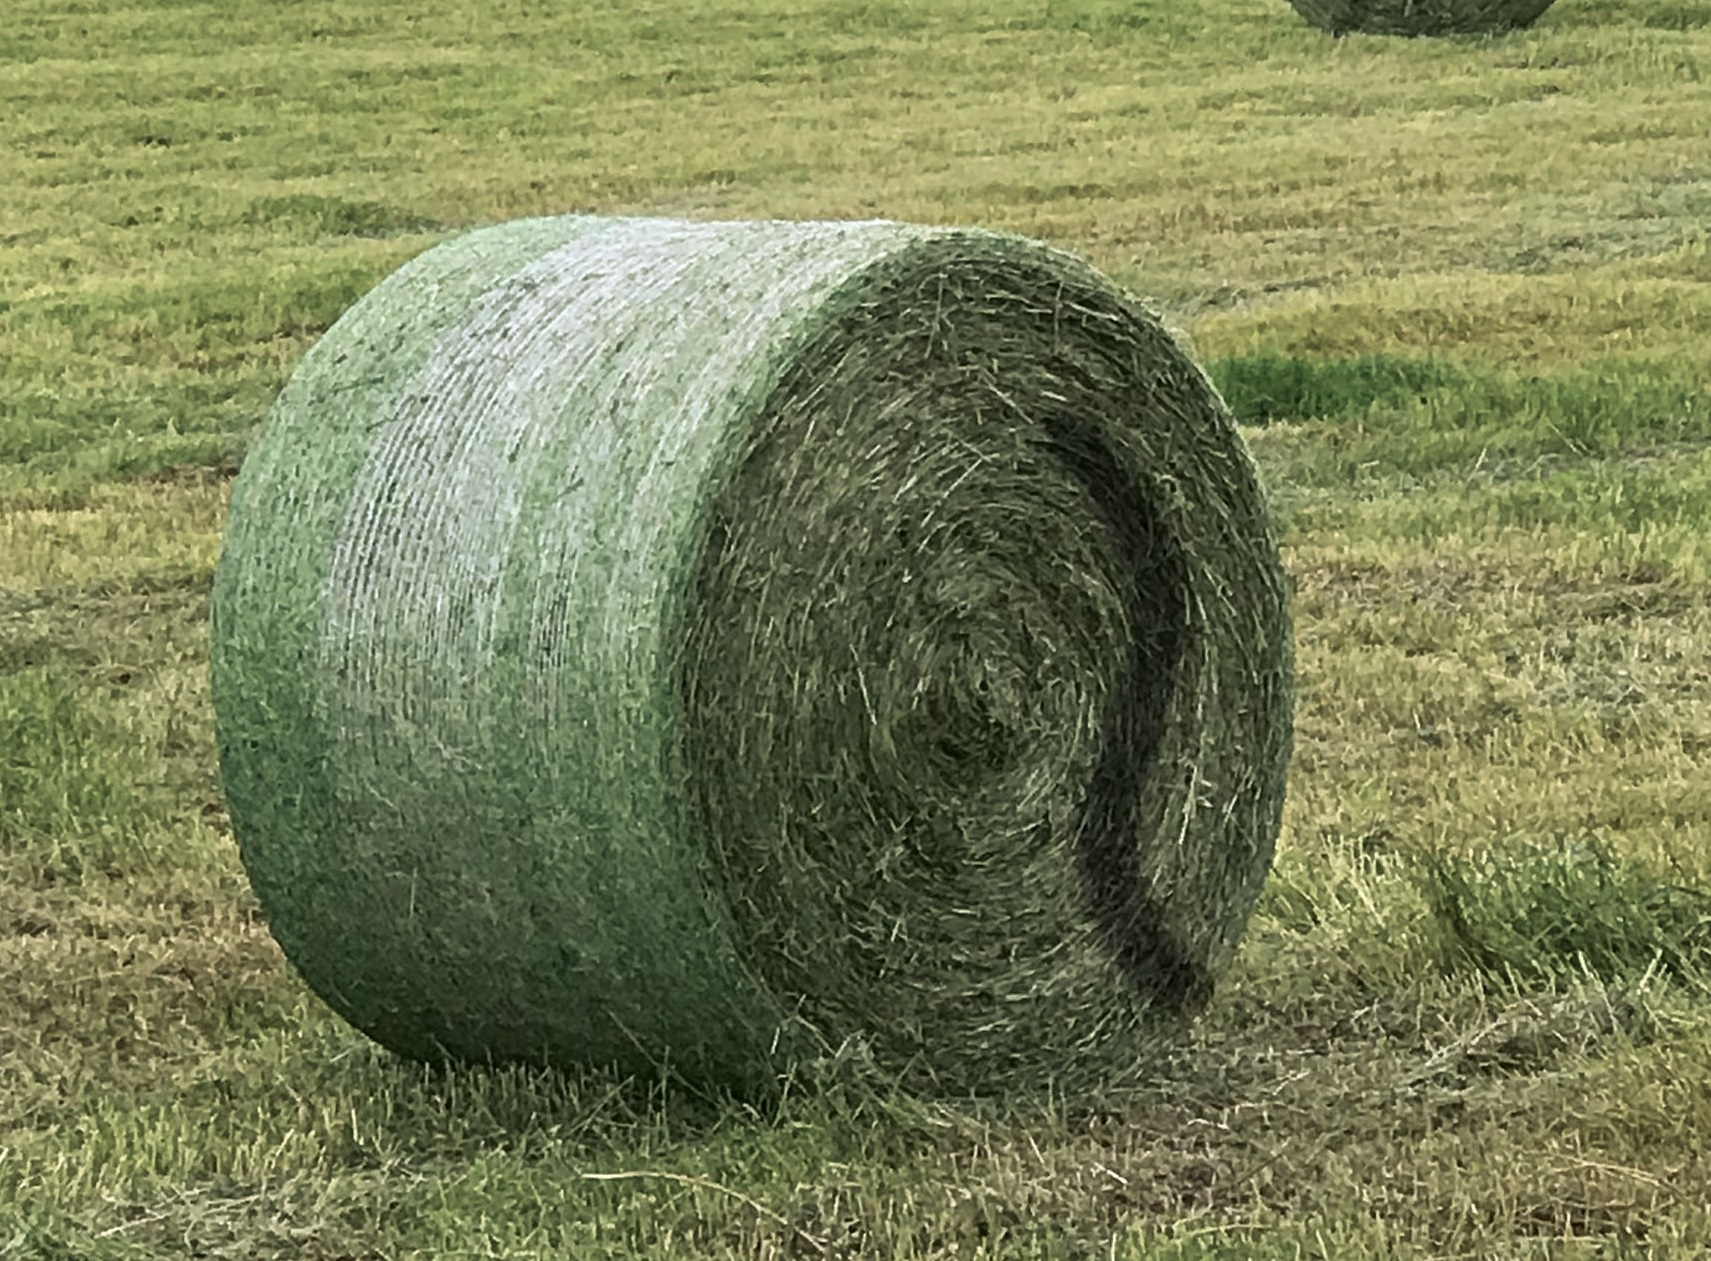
(1420, 17)
(641, 642)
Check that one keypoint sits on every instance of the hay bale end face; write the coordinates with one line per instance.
(1420, 17)
(644, 642)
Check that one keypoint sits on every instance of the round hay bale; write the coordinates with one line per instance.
(717, 644)
(1420, 17)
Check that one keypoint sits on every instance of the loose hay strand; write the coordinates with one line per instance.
(644, 641)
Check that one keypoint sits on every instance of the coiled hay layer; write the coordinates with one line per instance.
(648, 642)
(1420, 17)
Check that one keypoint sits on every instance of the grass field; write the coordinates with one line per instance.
(1460, 292)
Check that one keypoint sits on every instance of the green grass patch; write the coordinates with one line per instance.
(1540, 915)
(1376, 418)
(315, 215)
(1271, 387)
(56, 781)
(175, 370)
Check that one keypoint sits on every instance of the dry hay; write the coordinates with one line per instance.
(717, 644)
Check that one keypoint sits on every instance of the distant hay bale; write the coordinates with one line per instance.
(713, 644)
(1420, 17)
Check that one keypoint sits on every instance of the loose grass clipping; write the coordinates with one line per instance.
(715, 646)
(1420, 17)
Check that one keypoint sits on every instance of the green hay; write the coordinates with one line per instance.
(644, 642)
(1420, 17)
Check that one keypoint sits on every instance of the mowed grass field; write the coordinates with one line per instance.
(1458, 292)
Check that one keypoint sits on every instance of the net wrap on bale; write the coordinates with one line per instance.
(1420, 17)
(645, 642)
